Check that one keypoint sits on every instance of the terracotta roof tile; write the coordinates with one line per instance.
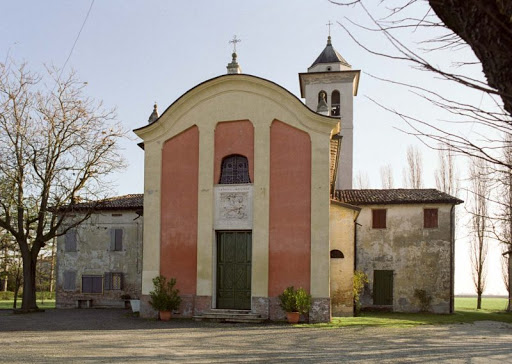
(126, 202)
(394, 196)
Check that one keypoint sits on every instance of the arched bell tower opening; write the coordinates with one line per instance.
(335, 103)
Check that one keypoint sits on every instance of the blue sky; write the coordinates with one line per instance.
(133, 53)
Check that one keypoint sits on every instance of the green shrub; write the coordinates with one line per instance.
(165, 297)
(295, 300)
(359, 280)
(6, 296)
(45, 295)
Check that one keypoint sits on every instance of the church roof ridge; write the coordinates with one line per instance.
(124, 202)
(330, 55)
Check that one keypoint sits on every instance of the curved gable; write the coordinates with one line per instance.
(235, 97)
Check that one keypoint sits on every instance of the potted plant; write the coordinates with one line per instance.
(165, 298)
(294, 302)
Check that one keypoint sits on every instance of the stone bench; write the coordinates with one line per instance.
(81, 301)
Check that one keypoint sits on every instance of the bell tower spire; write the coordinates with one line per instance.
(329, 87)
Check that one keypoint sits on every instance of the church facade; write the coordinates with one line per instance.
(238, 176)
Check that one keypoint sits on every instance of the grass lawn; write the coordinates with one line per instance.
(46, 305)
(465, 312)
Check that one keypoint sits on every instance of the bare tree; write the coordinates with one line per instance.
(447, 178)
(449, 28)
(414, 170)
(480, 224)
(362, 181)
(56, 147)
(501, 220)
(505, 268)
(386, 176)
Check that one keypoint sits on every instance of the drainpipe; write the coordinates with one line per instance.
(452, 254)
(355, 251)
(355, 238)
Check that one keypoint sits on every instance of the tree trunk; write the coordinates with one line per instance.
(17, 282)
(479, 301)
(509, 308)
(29, 282)
(52, 265)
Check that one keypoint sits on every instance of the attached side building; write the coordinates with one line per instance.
(405, 244)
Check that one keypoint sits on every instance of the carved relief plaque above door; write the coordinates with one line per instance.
(233, 207)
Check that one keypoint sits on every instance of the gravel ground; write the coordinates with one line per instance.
(105, 336)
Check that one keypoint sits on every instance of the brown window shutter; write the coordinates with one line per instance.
(87, 284)
(379, 218)
(70, 241)
(430, 218)
(69, 280)
(97, 284)
(119, 240)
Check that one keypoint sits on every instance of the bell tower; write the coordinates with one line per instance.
(329, 87)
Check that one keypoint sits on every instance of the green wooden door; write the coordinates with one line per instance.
(234, 269)
(383, 287)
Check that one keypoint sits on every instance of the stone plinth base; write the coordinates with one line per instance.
(146, 310)
(202, 304)
(320, 310)
(260, 306)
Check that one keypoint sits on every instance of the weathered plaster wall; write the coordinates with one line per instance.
(420, 258)
(341, 220)
(94, 257)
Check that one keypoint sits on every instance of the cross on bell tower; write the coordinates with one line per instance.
(329, 25)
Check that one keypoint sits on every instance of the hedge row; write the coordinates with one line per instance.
(9, 295)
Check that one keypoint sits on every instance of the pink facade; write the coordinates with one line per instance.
(180, 172)
(290, 208)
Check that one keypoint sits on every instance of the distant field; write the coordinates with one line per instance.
(45, 305)
(488, 303)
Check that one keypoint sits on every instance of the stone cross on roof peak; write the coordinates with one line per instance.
(235, 40)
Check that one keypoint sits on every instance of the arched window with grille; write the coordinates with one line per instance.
(234, 170)
(335, 103)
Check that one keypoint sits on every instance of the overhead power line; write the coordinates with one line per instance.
(76, 39)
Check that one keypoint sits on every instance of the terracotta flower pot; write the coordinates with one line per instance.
(293, 317)
(165, 315)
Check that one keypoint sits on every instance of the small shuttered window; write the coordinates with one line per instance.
(70, 241)
(69, 283)
(383, 287)
(430, 219)
(379, 219)
(92, 284)
(116, 240)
